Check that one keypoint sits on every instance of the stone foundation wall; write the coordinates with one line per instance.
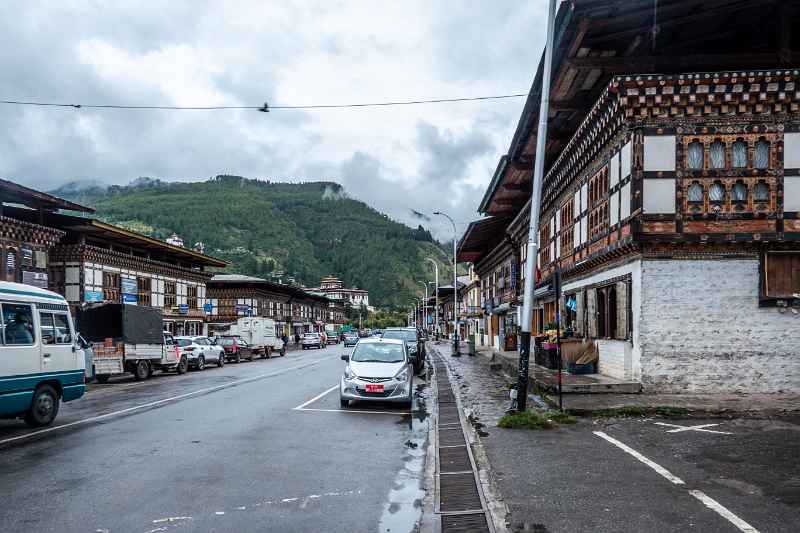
(701, 330)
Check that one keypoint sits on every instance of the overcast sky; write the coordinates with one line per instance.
(424, 157)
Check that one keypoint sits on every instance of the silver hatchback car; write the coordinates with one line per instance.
(377, 370)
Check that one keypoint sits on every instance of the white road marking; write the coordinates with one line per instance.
(162, 401)
(317, 397)
(721, 510)
(171, 519)
(356, 411)
(655, 466)
(700, 495)
(693, 428)
(219, 513)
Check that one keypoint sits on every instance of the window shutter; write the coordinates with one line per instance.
(591, 309)
(622, 310)
(579, 307)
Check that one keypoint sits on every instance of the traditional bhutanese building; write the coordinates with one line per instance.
(671, 198)
(334, 288)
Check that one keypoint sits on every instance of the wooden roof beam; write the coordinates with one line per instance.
(689, 62)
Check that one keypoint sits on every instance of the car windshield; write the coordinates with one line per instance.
(378, 352)
(401, 334)
(183, 342)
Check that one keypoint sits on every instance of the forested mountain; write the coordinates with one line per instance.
(308, 230)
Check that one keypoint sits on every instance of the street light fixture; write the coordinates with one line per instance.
(455, 284)
(435, 298)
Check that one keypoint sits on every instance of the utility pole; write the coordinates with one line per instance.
(456, 352)
(533, 229)
(424, 306)
(435, 299)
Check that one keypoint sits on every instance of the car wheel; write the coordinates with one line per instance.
(221, 360)
(201, 363)
(44, 407)
(183, 365)
(102, 378)
(283, 351)
(142, 370)
(344, 404)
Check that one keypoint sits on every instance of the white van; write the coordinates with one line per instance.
(40, 361)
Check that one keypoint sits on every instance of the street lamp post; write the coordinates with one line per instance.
(435, 299)
(456, 352)
(424, 307)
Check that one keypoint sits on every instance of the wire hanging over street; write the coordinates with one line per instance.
(266, 107)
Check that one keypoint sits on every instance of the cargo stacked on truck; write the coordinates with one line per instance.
(128, 338)
(260, 333)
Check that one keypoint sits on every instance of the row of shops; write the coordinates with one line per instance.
(52, 243)
(670, 204)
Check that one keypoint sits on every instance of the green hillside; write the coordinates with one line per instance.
(307, 230)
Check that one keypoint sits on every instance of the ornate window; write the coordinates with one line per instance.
(739, 193)
(739, 154)
(694, 155)
(762, 154)
(695, 193)
(716, 193)
(761, 193)
(716, 154)
(11, 265)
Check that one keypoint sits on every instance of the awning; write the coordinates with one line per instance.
(502, 308)
(480, 238)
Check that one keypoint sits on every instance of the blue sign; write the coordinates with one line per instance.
(93, 296)
(130, 298)
(208, 308)
(183, 309)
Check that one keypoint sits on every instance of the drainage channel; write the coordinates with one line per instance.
(460, 501)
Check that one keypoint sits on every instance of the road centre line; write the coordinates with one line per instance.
(700, 495)
(693, 428)
(163, 401)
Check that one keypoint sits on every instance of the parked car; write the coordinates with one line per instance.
(236, 348)
(414, 344)
(40, 363)
(199, 351)
(331, 337)
(350, 339)
(312, 340)
(377, 370)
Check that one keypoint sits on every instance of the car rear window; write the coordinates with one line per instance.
(226, 342)
(183, 342)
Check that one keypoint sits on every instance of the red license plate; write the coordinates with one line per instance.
(374, 388)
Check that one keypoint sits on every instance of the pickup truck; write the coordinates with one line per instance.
(128, 338)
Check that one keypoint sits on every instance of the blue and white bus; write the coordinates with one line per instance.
(41, 363)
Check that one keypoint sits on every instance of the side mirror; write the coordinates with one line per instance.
(345, 357)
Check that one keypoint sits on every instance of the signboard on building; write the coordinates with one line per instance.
(183, 309)
(208, 308)
(93, 296)
(37, 279)
(130, 293)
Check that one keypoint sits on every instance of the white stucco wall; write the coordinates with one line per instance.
(701, 330)
(619, 359)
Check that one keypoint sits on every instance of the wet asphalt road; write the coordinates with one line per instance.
(238, 457)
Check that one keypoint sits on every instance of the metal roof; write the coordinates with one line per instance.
(480, 238)
(15, 193)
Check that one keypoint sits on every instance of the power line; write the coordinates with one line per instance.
(265, 107)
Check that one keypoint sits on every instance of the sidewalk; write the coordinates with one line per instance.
(584, 404)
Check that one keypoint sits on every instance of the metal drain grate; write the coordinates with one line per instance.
(454, 460)
(465, 523)
(451, 437)
(457, 492)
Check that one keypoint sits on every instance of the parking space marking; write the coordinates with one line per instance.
(315, 398)
(302, 406)
(163, 401)
(655, 466)
(700, 495)
(700, 427)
